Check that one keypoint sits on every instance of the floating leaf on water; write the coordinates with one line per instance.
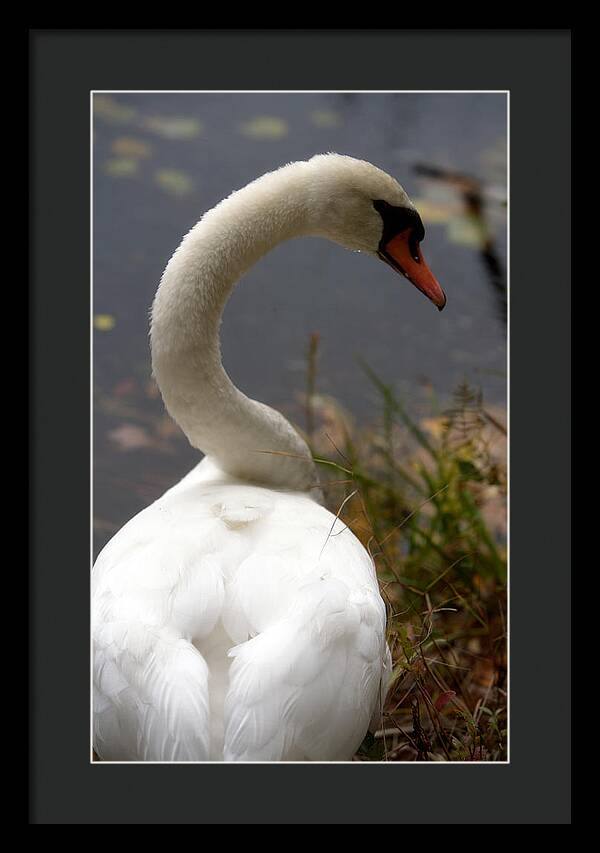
(104, 322)
(174, 182)
(130, 147)
(109, 108)
(265, 127)
(173, 127)
(121, 167)
(325, 118)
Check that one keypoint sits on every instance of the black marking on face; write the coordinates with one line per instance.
(397, 220)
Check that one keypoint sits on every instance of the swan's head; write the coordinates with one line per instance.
(364, 209)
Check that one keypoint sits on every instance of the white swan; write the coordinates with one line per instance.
(228, 622)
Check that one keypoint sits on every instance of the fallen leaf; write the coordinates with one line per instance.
(443, 699)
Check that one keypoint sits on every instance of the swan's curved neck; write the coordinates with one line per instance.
(247, 439)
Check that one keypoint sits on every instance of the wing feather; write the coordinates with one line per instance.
(268, 591)
(151, 696)
(306, 687)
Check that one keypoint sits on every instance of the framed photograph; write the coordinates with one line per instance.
(285, 501)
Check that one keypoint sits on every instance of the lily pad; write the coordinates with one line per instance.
(131, 148)
(110, 109)
(325, 118)
(104, 322)
(265, 127)
(121, 167)
(174, 127)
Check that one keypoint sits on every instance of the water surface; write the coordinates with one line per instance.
(161, 160)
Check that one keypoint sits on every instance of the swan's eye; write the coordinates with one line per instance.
(398, 220)
(413, 247)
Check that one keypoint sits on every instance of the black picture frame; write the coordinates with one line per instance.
(65, 788)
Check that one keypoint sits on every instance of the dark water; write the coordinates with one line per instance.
(161, 160)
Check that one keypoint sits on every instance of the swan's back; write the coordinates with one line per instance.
(235, 622)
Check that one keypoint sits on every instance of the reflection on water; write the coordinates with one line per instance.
(473, 194)
(161, 160)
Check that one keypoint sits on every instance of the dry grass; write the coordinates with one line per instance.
(427, 498)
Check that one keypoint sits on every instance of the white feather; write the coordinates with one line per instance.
(300, 637)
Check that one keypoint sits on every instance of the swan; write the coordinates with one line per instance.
(236, 618)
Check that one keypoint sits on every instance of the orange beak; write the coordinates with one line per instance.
(404, 255)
